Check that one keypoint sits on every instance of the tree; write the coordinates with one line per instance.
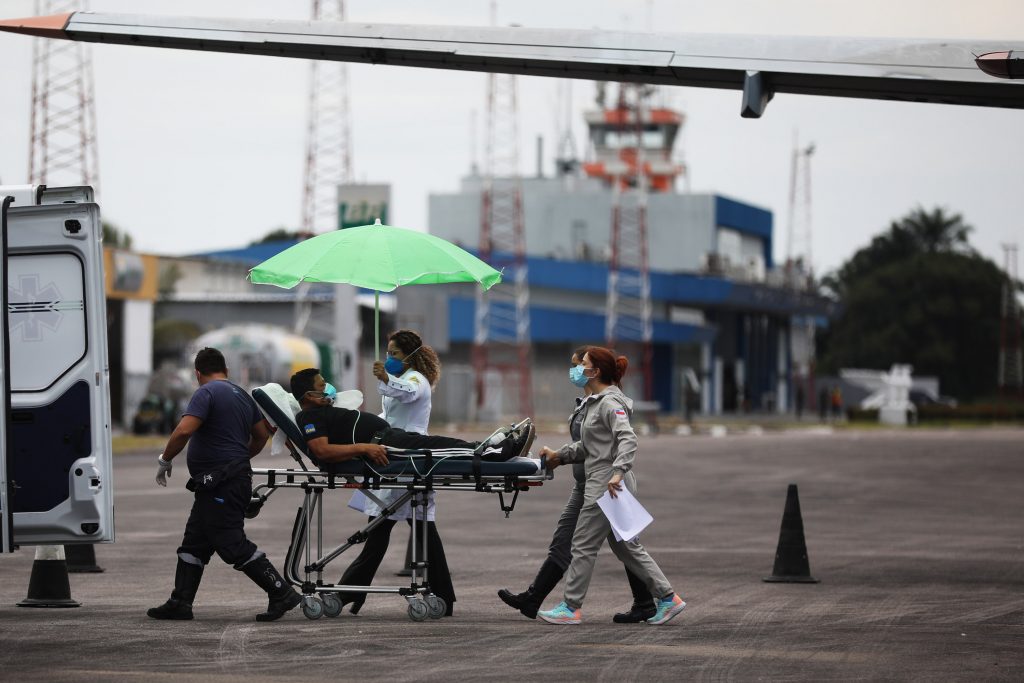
(278, 235)
(919, 294)
(113, 237)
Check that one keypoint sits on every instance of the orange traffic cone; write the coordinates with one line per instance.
(49, 585)
(791, 563)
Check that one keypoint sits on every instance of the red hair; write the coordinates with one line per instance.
(612, 367)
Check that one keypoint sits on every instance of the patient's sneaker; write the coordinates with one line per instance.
(667, 609)
(519, 441)
(562, 614)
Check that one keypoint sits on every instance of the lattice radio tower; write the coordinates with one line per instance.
(328, 138)
(628, 306)
(799, 235)
(62, 147)
(502, 339)
(328, 148)
(1011, 363)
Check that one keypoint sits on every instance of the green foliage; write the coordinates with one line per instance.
(113, 237)
(278, 235)
(918, 294)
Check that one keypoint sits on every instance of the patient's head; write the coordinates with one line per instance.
(305, 382)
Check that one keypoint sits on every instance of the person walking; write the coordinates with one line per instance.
(560, 551)
(607, 446)
(405, 381)
(223, 429)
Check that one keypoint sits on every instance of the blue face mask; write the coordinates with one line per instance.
(577, 377)
(330, 392)
(393, 366)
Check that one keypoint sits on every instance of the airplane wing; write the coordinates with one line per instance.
(941, 71)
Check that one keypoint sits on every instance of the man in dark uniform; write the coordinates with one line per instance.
(223, 429)
(337, 434)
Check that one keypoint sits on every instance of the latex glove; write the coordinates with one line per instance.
(163, 470)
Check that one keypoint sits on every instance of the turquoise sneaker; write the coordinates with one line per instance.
(561, 615)
(667, 609)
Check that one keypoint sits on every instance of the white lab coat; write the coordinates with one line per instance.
(406, 404)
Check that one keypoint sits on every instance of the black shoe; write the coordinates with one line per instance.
(172, 609)
(636, 614)
(282, 596)
(356, 599)
(518, 442)
(187, 577)
(277, 608)
(526, 602)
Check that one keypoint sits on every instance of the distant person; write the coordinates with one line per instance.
(223, 429)
(837, 402)
(823, 403)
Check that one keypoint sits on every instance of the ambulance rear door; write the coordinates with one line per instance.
(59, 463)
(6, 519)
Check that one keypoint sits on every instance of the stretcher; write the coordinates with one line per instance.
(415, 473)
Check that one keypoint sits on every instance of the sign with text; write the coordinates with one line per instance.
(362, 204)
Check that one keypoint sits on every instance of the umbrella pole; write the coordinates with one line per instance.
(376, 325)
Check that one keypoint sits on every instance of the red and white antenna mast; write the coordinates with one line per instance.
(328, 139)
(63, 130)
(628, 306)
(502, 338)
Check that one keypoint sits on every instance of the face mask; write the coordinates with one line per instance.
(577, 377)
(393, 366)
(330, 392)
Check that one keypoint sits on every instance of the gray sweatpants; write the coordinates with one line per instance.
(560, 551)
(592, 529)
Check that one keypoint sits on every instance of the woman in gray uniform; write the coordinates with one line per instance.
(560, 550)
(607, 447)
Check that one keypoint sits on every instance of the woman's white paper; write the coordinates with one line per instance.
(625, 513)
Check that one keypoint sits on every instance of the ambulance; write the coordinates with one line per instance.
(55, 439)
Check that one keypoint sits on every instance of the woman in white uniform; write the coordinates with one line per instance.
(405, 382)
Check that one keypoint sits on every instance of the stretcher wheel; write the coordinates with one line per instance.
(312, 607)
(418, 610)
(436, 606)
(332, 604)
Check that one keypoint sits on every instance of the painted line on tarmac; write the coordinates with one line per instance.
(737, 652)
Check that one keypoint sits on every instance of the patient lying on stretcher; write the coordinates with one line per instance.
(338, 434)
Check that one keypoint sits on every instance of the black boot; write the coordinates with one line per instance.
(529, 601)
(643, 603)
(186, 582)
(282, 596)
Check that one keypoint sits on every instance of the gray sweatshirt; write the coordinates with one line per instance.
(607, 441)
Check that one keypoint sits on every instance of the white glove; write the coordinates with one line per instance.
(163, 470)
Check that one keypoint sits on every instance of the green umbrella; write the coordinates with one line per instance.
(377, 257)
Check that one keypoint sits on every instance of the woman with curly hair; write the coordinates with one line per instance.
(405, 381)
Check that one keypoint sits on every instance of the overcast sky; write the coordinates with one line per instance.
(200, 151)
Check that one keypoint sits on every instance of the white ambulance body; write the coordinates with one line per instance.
(55, 449)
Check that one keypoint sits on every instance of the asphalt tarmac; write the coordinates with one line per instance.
(915, 536)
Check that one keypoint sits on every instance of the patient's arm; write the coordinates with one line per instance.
(333, 452)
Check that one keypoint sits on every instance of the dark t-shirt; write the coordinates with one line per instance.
(228, 414)
(339, 425)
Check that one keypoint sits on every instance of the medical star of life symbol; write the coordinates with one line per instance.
(33, 308)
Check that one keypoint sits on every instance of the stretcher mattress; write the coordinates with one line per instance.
(405, 465)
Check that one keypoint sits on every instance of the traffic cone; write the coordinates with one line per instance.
(81, 559)
(791, 564)
(49, 585)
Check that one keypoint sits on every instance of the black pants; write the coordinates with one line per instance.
(217, 522)
(399, 438)
(364, 567)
